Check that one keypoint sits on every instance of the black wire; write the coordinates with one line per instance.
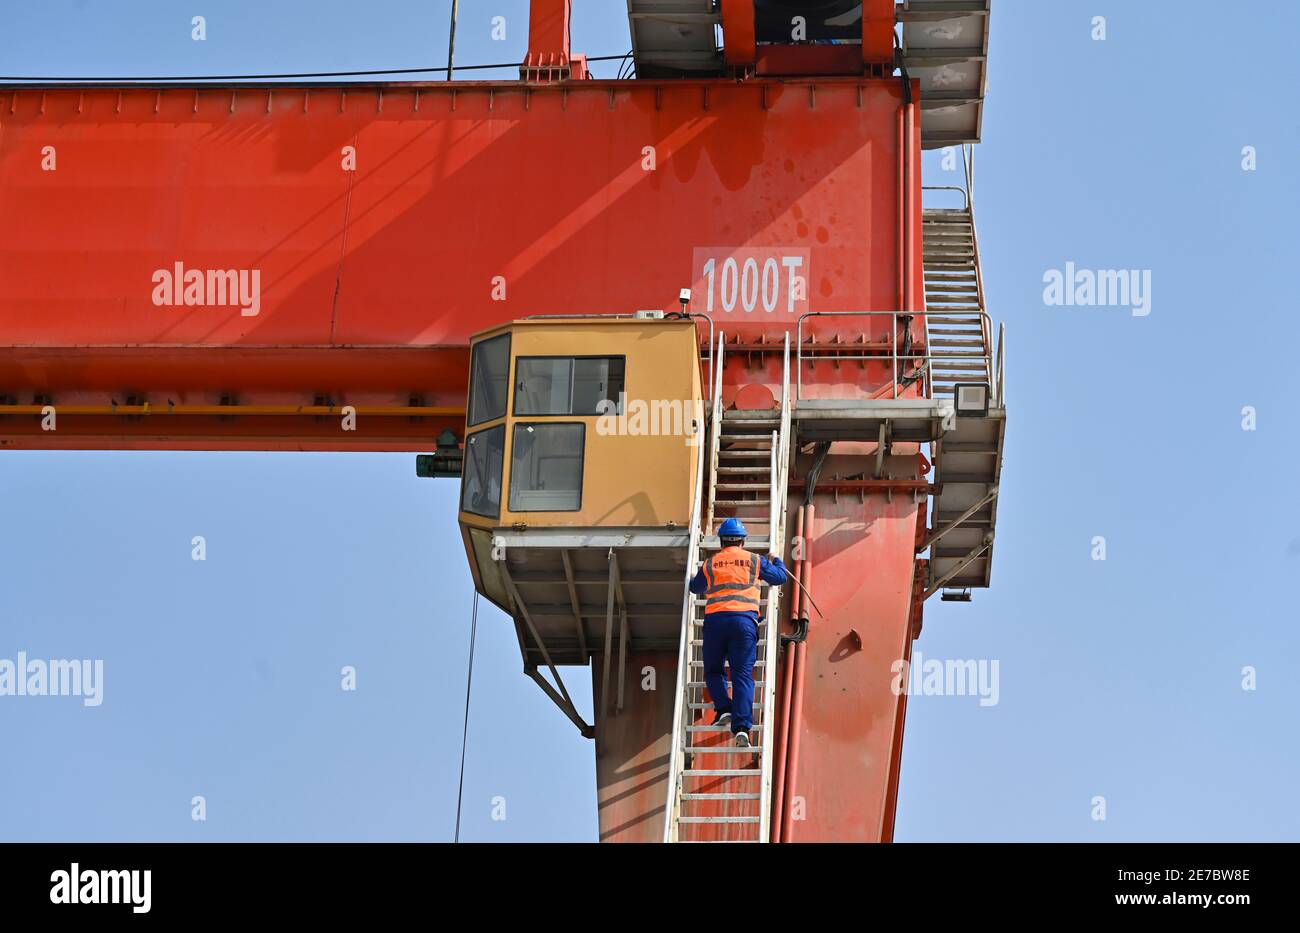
(622, 66)
(815, 471)
(464, 739)
(303, 74)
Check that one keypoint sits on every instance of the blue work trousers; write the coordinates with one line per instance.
(731, 637)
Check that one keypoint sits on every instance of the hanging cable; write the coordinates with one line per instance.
(464, 738)
(819, 460)
(626, 65)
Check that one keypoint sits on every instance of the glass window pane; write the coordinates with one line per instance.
(489, 379)
(480, 490)
(542, 385)
(594, 381)
(546, 468)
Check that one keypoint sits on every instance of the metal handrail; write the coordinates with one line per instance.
(684, 639)
(1001, 366)
(715, 433)
(958, 188)
(968, 163)
(775, 548)
(893, 357)
(694, 315)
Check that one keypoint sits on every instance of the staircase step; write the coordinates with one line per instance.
(698, 601)
(723, 750)
(723, 772)
(757, 544)
(736, 487)
(721, 796)
(701, 684)
(710, 705)
(718, 819)
(746, 454)
(744, 471)
(717, 728)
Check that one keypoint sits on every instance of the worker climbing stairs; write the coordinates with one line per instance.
(719, 792)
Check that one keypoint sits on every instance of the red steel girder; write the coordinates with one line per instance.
(372, 279)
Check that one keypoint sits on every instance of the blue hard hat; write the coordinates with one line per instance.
(732, 528)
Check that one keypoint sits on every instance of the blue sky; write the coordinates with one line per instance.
(1119, 678)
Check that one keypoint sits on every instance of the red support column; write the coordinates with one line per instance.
(738, 37)
(549, 58)
(632, 749)
(846, 737)
(877, 31)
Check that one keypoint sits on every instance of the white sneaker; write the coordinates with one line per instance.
(742, 740)
(722, 719)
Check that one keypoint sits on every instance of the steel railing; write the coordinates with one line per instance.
(965, 196)
(833, 352)
(675, 754)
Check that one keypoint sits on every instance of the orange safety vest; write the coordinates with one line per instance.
(732, 577)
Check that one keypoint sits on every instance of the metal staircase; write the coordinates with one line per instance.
(718, 792)
(957, 328)
(968, 457)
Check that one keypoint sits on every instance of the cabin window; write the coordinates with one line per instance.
(489, 380)
(480, 490)
(567, 385)
(546, 468)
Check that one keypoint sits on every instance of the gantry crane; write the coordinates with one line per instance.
(223, 265)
